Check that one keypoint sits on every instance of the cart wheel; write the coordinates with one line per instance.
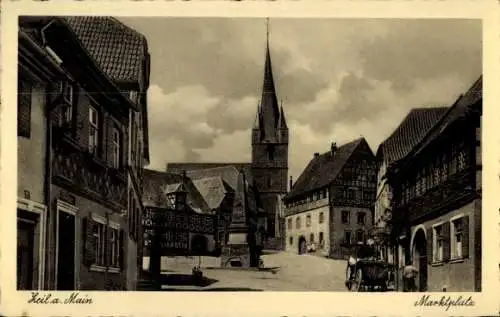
(358, 279)
(348, 282)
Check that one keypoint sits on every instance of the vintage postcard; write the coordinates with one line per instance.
(216, 158)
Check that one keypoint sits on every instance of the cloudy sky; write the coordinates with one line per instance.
(338, 78)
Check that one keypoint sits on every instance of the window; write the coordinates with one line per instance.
(350, 194)
(462, 160)
(361, 218)
(321, 239)
(321, 217)
(345, 216)
(290, 240)
(289, 223)
(93, 130)
(133, 96)
(100, 241)
(116, 147)
(460, 238)
(360, 236)
(297, 223)
(444, 168)
(438, 244)
(270, 152)
(115, 247)
(68, 93)
(311, 238)
(347, 237)
(308, 220)
(66, 115)
(24, 90)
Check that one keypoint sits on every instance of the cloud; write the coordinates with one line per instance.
(338, 78)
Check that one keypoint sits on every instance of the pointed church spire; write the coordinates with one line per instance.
(282, 122)
(269, 104)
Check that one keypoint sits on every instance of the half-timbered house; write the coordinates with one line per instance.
(331, 203)
(437, 200)
(88, 228)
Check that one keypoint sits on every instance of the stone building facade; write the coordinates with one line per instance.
(331, 203)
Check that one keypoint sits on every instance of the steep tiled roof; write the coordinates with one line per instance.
(212, 189)
(228, 171)
(158, 184)
(463, 105)
(323, 169)
(410, 132)
(117, 49)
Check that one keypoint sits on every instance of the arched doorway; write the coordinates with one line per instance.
(199, 244)
(420, 258)
(302, 245)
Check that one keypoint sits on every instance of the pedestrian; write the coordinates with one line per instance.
(409, 276)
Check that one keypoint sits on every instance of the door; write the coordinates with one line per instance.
(25, 254)
(66, 252)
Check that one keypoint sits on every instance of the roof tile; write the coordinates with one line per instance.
(410, 132)
(117, 49)
(323, 169)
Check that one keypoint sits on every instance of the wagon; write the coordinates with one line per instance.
(369, 274)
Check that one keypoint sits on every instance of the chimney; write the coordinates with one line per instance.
(334, 147)
(291, 182)
(316, 155)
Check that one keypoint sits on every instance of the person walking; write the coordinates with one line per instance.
(409, 276)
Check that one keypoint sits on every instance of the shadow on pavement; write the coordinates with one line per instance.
(220, 289)
(186, 280)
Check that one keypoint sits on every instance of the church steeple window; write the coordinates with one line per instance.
(270, 152)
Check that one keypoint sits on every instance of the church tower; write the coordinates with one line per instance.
(270, 149)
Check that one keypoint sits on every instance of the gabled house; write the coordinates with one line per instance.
(330, 205)
(409, 133)
(37, 71)
(89, 219)
(437, 199)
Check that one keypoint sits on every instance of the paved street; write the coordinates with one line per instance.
(297, 273)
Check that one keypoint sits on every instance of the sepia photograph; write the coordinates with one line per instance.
(266, 153)
(240, 154)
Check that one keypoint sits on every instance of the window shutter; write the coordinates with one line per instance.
(446, 241)
(108, 146)
(122, 249)
(430, 245)
(24, 109)
(89, 242)
(107, 246)
(465, 237)
(82, 121)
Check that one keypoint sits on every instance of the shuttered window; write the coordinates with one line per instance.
(460, 238)
(99, 231)
(438, 244)
(24, 91)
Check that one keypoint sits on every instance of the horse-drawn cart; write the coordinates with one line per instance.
(369, 274)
